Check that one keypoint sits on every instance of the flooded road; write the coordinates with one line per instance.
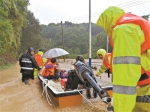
(15, 96)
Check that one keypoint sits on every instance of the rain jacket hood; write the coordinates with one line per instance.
(109, 18)
(40, 53)
(102, 52)
(30, 49)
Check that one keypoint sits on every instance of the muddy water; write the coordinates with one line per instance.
(15, 96)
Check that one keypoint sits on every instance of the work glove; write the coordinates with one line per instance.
(94, 67)
(98, 74)
(39, 69)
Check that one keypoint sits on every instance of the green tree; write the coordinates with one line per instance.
(101, 40)
(77, 50)
(31, 35)
(75, 36)
(12, 19)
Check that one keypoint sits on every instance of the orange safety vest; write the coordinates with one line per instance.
(50, 71)
(38, 59)
(106, 62)
(145, 26)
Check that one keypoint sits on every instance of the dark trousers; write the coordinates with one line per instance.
(73, 81)
(26, 76)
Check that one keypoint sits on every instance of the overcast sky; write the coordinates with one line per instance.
(77, 11)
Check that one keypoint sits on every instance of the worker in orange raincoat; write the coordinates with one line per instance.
(130, 38)
(40, 61)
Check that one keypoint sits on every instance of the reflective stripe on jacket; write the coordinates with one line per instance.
(145, 26)
(126, 57)
(27, 63)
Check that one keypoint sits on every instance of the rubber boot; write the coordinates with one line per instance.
(94, 93)
(26, 81)
(88, 93)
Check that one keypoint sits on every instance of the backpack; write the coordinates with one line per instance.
(72, 81)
